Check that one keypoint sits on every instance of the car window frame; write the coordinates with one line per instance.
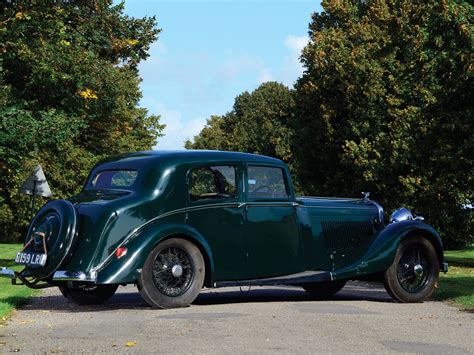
(207, 201)
(88, 184)
(289, 191)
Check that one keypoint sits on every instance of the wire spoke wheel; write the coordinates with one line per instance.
(173, 274)
(413, 270)
(414, 273)
(172, 271)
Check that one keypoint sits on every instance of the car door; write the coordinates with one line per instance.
(271, 229)
(213, 209)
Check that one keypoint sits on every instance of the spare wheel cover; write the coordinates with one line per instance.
(56, 222)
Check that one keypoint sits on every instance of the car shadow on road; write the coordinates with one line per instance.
(129, 298)
(290, 294)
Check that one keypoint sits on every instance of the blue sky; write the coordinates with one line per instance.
(211, 51)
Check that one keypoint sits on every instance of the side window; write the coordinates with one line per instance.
(266, 182)
(212, 182)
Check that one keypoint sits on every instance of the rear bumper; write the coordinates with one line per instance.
(11, 274)
(58, 275)
(75, 276)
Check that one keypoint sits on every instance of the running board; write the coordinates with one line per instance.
(293, 279)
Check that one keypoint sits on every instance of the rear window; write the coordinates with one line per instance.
(113, 179)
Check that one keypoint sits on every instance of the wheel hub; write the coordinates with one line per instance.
(418, 270)
(177, 271)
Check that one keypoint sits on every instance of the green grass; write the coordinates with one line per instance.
(11, 296)
(460, 257)
(457, 286)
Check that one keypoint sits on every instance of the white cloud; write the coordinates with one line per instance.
(265, 75)
(177, 129)
(292, 67)
(296, 43)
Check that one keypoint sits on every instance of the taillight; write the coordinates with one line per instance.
(120, 252)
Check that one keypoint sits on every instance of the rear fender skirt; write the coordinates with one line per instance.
(127, 269)
(382, 251)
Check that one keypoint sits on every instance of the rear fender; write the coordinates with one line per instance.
(128, 268)
(382, 252)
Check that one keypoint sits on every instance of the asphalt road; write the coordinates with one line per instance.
(360, 319)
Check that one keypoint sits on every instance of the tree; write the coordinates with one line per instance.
(68, 95)
(385, 105)
(259, 123)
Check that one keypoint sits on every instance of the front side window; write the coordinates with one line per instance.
(113, 179)
(266, 182)
(213, 182)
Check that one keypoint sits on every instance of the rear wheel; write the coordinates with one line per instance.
(414, 273)
(173, 274)
(88, 294)
(323, 290)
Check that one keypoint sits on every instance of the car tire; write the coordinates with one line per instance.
(88, 294)
(414, 273)
(323, 290)
(173, 274)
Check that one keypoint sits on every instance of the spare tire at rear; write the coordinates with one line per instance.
(54, 228)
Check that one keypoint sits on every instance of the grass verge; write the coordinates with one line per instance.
(11, 296)
(457, 286)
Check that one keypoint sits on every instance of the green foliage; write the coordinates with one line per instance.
(68, 96)
(259, 123)
(385, 105)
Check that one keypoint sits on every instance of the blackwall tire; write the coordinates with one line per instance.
(324, 290)
(56, 223)
(414, 273)
(173, 274)
(88, 294)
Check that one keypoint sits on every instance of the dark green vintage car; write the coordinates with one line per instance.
(175, 222)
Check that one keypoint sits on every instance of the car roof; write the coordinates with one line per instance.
(189, 156)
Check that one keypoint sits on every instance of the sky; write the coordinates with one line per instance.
(211, 51)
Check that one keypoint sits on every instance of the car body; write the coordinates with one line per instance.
(223, 219)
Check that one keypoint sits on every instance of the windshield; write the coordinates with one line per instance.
(112, 180)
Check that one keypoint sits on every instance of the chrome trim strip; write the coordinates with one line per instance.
(75, 276)
(7, 273)
(379, 209)
(182, 210)
(341, 199)
(337, 207)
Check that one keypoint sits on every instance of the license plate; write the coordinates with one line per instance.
(30, 259)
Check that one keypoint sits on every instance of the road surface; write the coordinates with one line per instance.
(362, 318)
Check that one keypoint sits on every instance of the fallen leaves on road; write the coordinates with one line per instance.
(129, 344)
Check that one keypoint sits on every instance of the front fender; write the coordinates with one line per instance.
(128, 268)
(382, 252)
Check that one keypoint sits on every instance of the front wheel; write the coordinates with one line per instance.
(323, 290)
(88, 294)
(414, 273)
(173, 274)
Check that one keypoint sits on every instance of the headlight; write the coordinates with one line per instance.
(401, 214)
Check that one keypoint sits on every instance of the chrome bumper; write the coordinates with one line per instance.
(75, 276)
(11, 274)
